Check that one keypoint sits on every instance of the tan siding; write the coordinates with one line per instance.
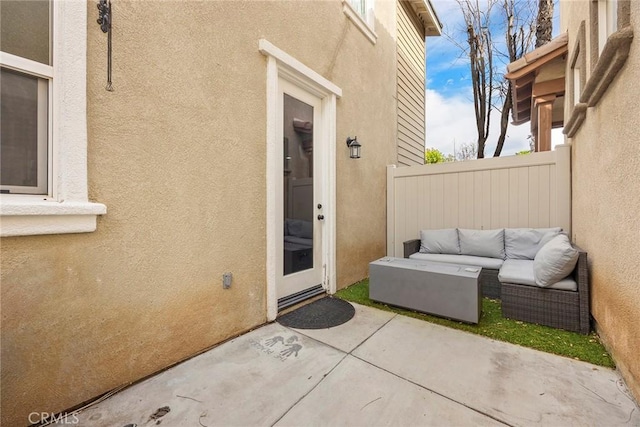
(409, 149)
(406, 142)
(410, 87)
(408, 129)
(411, 119)
(412, 90)
(405, 158)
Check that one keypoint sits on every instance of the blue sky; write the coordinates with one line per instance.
(449, 110)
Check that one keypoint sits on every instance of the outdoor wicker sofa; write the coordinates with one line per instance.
(488, 276)
(563, 305)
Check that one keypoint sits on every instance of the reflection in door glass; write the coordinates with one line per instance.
(298, 185)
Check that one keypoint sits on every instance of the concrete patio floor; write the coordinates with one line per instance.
(377, 369)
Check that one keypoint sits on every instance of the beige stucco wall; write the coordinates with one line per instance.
(177, 154)
(606, 200)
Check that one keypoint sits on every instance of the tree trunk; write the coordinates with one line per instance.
(544, 23)
(504, 122)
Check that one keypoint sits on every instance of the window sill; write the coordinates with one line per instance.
(360, 23)
(613, 57)
(575, 121)
(28, 216)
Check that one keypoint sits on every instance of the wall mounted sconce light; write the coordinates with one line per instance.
(354, 147)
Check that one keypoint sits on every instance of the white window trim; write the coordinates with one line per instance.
(577, 84)
(607, 21)
(282, 65)
(365, 27)
(66, 209)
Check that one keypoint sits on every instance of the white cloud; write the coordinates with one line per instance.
(451, 120)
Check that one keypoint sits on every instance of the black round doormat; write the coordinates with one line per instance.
(321, 314)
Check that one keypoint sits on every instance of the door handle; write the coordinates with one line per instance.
(320, 217)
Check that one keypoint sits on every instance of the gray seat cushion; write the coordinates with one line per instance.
(524, 243)
(520, 271)
(482, 243)
(299, 240)
(491, 263)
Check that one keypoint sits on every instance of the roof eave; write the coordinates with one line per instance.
(427, 14)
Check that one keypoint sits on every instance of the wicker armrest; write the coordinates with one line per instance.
(581, 276)
(411, 247)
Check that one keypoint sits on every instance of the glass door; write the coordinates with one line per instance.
(302, 216)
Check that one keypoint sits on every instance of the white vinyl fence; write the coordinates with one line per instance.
(532, 190)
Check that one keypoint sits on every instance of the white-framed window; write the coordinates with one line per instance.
(577, 80)
(361, 13)
(577, 84)
(363, 7)
(607, 21)
(43, 147)
(577, 67)
(25, 86)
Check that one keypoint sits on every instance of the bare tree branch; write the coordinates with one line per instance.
(486, 57)
(519, 38)
(481, 50)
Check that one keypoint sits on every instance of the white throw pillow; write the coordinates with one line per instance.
(554, 261)
(487, 243)
(524, 243)
(443, 241)
(547, 238)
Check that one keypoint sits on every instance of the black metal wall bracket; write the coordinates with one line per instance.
(104, 20)
(104, 17)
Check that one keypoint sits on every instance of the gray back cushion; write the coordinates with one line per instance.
(554, 261)
(300, 228)
(489, 243)
(443, 241)
(524, 243)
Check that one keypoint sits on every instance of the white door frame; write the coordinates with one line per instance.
(282, 65)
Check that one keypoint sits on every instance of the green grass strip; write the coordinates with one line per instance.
(587, 348)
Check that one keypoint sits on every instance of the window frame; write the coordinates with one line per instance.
(577, 82)
(364, 20)
(607, 18)
(607, 21)
(45, 73)
(578, 67)
(42, 71)
(66, 207)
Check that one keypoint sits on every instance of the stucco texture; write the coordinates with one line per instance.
(606, 200)
(177, 154)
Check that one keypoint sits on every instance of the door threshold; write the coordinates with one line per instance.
(293, 299)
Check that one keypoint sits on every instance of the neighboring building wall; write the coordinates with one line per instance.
(606, 195)
(411, 91)
(177, 154)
